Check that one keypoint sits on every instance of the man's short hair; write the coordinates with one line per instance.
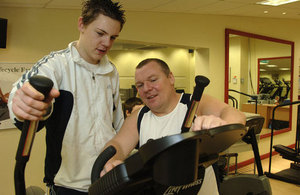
(163, 65)
(92, 8)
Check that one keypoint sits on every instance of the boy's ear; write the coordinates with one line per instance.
(80, 24)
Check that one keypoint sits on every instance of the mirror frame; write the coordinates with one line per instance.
(266, 38)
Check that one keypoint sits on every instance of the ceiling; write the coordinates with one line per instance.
(214, 7)
(279, 63)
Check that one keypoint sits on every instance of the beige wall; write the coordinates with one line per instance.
(33, 33)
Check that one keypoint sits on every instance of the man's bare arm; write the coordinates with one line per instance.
(124, 142)
(212, 113)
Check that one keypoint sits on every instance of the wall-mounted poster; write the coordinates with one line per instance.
(9, 74)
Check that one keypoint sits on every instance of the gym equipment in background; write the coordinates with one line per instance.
(235, 102)
(253, 97)
(43, 85)
(249, 183)
(266, 86)
(288, 88)
(276, 90)
(171, 160)
(292, 174)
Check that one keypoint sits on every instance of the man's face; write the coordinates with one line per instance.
(97, 38)
(154, 87)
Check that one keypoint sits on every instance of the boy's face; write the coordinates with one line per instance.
(97, 38)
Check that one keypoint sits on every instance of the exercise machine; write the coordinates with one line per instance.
(287, 86)
(253, 97)
(155, 162)
(266, 85)
(43, 85)
(249, 183)
(278, 90)
(292, 174)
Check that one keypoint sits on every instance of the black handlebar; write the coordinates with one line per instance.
(43, 85)
(101, 161)
(201, 83)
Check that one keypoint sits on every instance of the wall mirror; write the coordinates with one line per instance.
(259, 67)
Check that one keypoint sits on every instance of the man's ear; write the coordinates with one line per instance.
(171, 78)
(80, 24)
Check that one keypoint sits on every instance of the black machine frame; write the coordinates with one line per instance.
(249, 183)
(292, 174)
(181, 152)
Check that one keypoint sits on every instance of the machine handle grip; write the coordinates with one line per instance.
(43, 85)
(201, 83)
(109, 152)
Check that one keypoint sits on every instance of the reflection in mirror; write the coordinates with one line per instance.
(259, 75)
(274, 79)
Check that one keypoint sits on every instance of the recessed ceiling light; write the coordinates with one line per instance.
(262, 69)
(266, 12)
(275, 2)
(283, 13)
(284, 68)
(271, 65)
